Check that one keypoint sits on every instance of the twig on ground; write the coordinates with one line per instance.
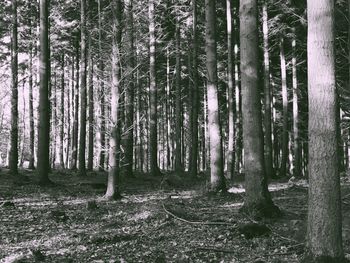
(196, 222)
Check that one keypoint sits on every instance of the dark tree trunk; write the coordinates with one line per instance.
(91, 113)
(76, 114)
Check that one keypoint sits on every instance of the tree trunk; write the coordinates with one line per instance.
(153, 142)
(129, 92)
(43, 163)
(297, 149)
(83, 93)
(112, 191)
(267, 99)
(324, 236)
(31, 107)
(13, 158)
(258, 200)
(76, 114)
(217, 181)
(90, 164)
(61, 157)
(284, 159)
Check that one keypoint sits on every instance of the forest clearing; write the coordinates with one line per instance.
(153, 222)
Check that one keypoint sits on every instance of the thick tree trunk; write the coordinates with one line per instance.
(83, 93)
(217, 180)
(13, 158)
(112, 191)
(324, 236)
(258, 200)
(231, 124)
(153, 141)
(129, 91)
(267, 99)
(43, 164)
(284, 158)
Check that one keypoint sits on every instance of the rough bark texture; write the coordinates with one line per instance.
(129, 91)
(13, 162)
(44, 105)
(267, 100)
(217, 181)
(231, 123)
(257, 200)
(324, 237)
(83, 93)
(153, 142)
(112, 191)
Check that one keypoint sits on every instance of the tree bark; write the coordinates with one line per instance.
(61, 156)
(324, 236)
(217, 181)
(31, 107)
(43, 163)
(258, 200)
(90, 164)
(76, 113)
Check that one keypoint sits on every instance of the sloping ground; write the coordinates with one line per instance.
(70, 223)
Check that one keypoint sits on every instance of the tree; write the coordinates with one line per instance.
(112, 191)
(76, 112)
(153, 143)
(43, 163)
(83, 93)
(324, 225)
(258, 200)
(13, 162)
(31, 107)
(61, 155)
(217, 181)
(91, 112)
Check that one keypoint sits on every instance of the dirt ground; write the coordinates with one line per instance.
(157, 220)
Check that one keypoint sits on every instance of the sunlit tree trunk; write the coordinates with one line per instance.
(324, 234)
(129, 91)
(13, 158)
(83, 93)
(267, 99)
(153, 141)
(284, 158)
(217, 180)
(258, 200)
(43, 163)
(112, 191)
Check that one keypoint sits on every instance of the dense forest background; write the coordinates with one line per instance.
(184, 91)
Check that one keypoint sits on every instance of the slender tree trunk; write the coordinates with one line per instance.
(31, 107)
(13, 160)
(231, 124)
(62, 115)
(76, 114)
(129, 92)
(153, 142)
(83, 93)
(258, 200)
(43, 164)
(217, 180)
(195, 96)
(284, 159)
(267, 99)
(324, 232)
(297, 149)
(112, 191)
(90, 164)
(169, 150)
(70, 115)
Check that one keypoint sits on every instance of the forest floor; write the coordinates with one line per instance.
(157, 220)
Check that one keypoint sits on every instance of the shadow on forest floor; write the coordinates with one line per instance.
(157, 220)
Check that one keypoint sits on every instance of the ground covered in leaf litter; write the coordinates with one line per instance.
(157, 220)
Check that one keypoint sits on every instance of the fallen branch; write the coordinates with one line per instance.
(196, 222)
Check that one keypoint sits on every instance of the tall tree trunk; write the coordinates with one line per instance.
(91, 112)
(258, 200)
(267, 99)
(129, 92)
(231, 124)
(168, 101)
(31, 107)
(43, 163)
(178, 106)
(217, 181)
(195, 96)
(70, 110)
(76, 114)
(61, 157)
(153, 142)
(13, 158)
(297, 149)
(112, 191)
(83, 93)
(284, 159)
(324, 227)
